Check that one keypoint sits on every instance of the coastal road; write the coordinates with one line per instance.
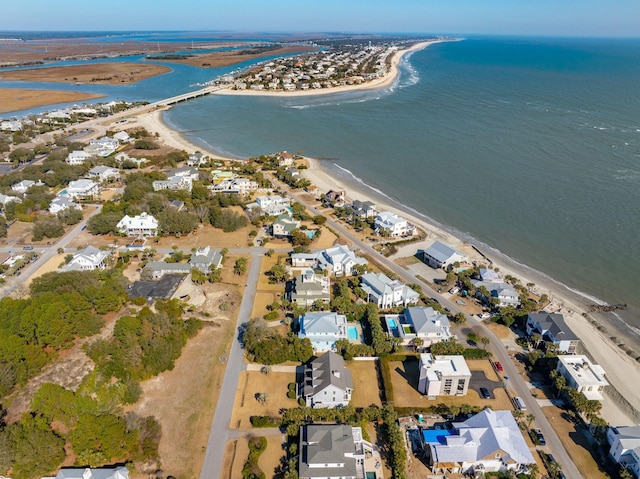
(516, 383)
(220, 433)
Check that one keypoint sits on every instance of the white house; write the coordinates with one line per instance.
(363, 209)
(11, 125)
(87, 259)
(173, 184)
(309, 288)
(553, 330)
(323, 329)
(339, 261)
(103, 146)
(4, 199)
(122, 137)
(440, 255)
(271, 205)
(283, 226)
(583, 375)
(443, 376)
(326, 383)
(419, 322)
(123, 156)
(393, 224)
(387, 293)
(197, 159)
(490, 441)
(206, 258)
(185, 172)
(81, 189)
(78, 157)
(120, 472)
(104, 173)
(143, 225)
(24, 185)
(505, 293)
(62, 203)
(238, 186)
(625, 447)
(284, 159)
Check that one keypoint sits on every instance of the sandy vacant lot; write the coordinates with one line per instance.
(100, 73)
(254, 382)
(365, 384)
(15, 99)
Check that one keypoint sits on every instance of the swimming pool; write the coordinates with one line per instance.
(352, 333)
(392, 323)
(392, 327)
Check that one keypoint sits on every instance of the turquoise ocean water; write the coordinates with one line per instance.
(531, 146)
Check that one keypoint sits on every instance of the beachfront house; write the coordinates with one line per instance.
(81, 190)
(503, 294)
(490, 441)
(78, 157)
(443, 376)
(197, 159)
(387, 293)
(582, 375)
(119, 472)
(553, 330)
(323, 329)
(362, 209)
(309, 288)
(285, 159)
(390, 224)
(142, 225)
(336, 199)
(440, 255)
(206, 259)
(104, 173)
(326, 383)
(88, 259)
(283, 226)
(334, 451)
(625, 447)
(419, 322)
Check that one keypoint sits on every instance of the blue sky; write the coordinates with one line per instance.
(526, 17)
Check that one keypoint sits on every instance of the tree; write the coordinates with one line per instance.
(241, 266)
(70, 216)
(33, 434)
(3, 227)
(176, 222)
(300, 238)
(49, 226)
(319, 220)
(278, 273)
(262, 398)
(530, 418)
(266, 369)
(21, 155)
(104, 222)
(484, 341)
(417, 343)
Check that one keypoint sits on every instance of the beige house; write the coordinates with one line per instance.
(443, 376)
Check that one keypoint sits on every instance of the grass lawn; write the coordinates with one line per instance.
(236, 453)
(267, 264)
(272, 458)
(260, 304)
(327, 239)
(407, 261)
(48, 267)
(251, 383)
(366, 391)
(574, 442)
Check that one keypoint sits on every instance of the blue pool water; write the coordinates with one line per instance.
(392, 327)
(436, 435)
(392, 323)
(352, 332)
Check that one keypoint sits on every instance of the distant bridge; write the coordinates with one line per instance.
(188, 96)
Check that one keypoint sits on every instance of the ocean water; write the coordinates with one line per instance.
(531, 146)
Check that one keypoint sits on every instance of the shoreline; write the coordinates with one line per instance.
(386, 81)
(622, 370)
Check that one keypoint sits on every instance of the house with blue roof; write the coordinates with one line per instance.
(323, 329)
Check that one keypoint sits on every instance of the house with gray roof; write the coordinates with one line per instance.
(625, 447)
(553, 329)
(307, 288)
(326, 382)
(339, 261)
(504, 293)
(104, 173)
(490, 441)
(362, 209)
(206, 258)
(120, 472)
(419, 322)
(283, 226)
(87, 259)
(157, 269)
(332, 451)
(440, 255)
(387, 293)
(323, 329)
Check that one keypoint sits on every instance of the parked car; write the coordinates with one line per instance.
(540, 437)
(28, 247)
(485, 393)
(499, 366)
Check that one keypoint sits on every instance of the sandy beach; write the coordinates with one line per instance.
(594, 329)
(383, 82)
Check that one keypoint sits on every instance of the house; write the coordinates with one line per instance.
(87, 259)
(206, 259)
(11, 125)
(307, 288)
(197, 159)
(393, 225)
(271, 205)
(339, 261)
(326, 382)
(440, 255)
(333, 451)
(490, 441)
(122, 137)
(283, 226)
(173, 184)
(102, 147)
(419, 322)
(62, 203)
(81, 189)
(337, 199)
(284, 159)
(104, 173)
(505, 293)
(78, 157)
(218, 176)
(387, 293)
(157, 269)
(553, 329)
(238, 186)
(625, 447)
(185, 172)
(24, 185)
(4, 199)
(122, 157)
(120, 472)
(583, 375)
(323, 329)
(363, 209)
(142, 225)
(443, 376)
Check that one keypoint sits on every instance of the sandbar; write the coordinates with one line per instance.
(111, 73)
(16, 99)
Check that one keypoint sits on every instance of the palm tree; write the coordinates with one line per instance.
(530, 418)
(534, 470)
(262, 397)
(266, 369)
(484, 340)
(518, 414)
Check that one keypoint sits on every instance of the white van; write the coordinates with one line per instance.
(519, 403)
